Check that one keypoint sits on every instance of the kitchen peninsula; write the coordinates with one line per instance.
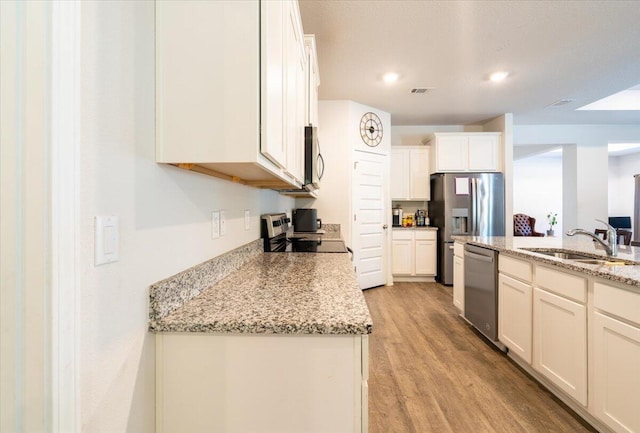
(253, 341)
(573, 323)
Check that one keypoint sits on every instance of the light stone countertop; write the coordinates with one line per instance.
(277, 293)
(515, 245)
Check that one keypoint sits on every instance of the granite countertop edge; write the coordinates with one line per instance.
(628, 274)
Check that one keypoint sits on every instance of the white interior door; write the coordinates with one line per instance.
(369, 234)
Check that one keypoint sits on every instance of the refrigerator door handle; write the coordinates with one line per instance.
(474, 207)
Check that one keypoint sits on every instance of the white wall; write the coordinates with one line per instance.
(504, 125)
(164, 217)
(590, 174)
(622, 185)
(339, 136)
(413, 135)
(537, 187)
(334, 196)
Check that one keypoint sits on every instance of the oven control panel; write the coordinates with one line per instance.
(274, 224)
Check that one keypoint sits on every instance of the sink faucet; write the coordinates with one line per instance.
(611, 245)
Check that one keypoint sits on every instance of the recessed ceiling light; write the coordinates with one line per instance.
(390, 77)
(498, 76)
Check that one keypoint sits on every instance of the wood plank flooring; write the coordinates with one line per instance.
(430, 372)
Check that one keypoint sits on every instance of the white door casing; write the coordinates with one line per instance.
(39, 118)
(370, 215)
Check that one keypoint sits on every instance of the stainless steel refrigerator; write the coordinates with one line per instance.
(469, 204)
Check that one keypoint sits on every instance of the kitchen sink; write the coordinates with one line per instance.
(561, 254)
(587, 259)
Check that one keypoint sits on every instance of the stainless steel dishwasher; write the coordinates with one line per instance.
(481, 290)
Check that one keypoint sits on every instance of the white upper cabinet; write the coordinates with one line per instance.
(410, 173)
(484, 152)
(465, 151)
(313, 80)
(296, 64)
(230, 89)
(273, 144)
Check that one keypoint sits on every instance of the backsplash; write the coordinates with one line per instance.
(168, 294)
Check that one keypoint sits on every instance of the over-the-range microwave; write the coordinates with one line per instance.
(313, 161)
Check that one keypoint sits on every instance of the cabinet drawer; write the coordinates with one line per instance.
(519, 269)
(402, 235)
(619, 302)
(561, 283)
(426, 235)
(458, 249)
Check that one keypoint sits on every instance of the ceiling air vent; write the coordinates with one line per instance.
(418, 90)
(560, 102)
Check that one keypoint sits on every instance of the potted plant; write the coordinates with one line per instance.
(552, 217)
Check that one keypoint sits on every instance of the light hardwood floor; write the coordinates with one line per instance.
(430, 372)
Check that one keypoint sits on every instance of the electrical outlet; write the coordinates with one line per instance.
(223, 223)
(247, 219)
(215, 225)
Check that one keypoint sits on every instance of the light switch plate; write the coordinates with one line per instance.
(106, 240)
(223, 223)
(215, 225)
(247, 219)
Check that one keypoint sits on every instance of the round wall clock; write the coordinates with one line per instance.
(371, 129)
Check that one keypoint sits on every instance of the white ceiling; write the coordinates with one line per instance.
(580, 50)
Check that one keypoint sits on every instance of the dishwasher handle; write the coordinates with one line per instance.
(480, 257)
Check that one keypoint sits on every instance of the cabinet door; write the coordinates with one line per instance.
(515, 310)
(272, 39)
(312, 78)
(458, 283)
(419, 174)
(402, 257)
(207, 95)
(560, 342)
(425, 257)
(451, 153)
(399, 174)
(616, 373)
(484, 153)
(295, 86)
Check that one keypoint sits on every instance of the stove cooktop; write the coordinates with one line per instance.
(306, 245)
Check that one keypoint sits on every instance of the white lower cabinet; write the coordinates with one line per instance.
(402, 254)
(425, 256)
(413, 252)
(616, 358)
(261, 383)
(458, 275)
(616, 373)
(515, 310)
(560, 342)
(515, 305)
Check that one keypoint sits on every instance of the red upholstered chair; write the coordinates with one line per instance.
(524, 225)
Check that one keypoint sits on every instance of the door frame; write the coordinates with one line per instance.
(40, 117)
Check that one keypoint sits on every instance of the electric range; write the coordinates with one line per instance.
(274, 229)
